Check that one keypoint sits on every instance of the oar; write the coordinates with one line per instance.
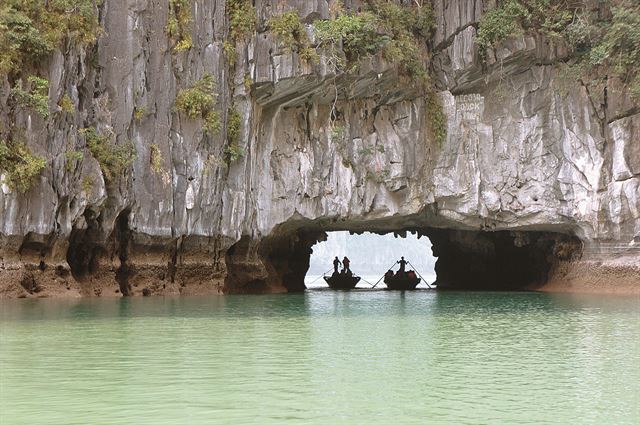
(382, 276)
(367, 282)
(423, 279)
(376, 284)
(320, 276)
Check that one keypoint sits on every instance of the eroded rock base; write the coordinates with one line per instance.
(125, 263)
(121, 264)
(275, 264)
(606, 276)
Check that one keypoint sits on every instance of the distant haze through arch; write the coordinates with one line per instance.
(371, 255)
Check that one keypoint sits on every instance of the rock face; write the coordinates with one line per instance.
(534, 169)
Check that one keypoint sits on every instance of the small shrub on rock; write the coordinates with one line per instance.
(35, 97)
(20, 165)
(178, 24)
(292, 34)
(198, 102)
(113, 159)
(242, 19)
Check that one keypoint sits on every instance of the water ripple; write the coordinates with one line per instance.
(372, 357)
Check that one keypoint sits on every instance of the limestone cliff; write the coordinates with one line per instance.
(536, 177)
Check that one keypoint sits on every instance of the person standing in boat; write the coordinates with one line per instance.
(403, 265)
(336, 263)
(345, 265)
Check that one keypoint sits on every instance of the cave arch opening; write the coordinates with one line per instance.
(371, 255)
(502, 260)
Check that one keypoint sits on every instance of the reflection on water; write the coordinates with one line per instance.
(322, 357)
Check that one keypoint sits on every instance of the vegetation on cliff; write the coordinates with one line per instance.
(178, 24)
(113, 158)
(399, 32)
(348, 38)
(66, 104)
(198, 102)
(155, 158)
(31, 30)
(603, 42)
(406, 28)
(35, 97)
(19, 165)
(233, 151)
(242, 19)
(292, 35)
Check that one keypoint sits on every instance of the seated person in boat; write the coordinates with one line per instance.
(411, 275)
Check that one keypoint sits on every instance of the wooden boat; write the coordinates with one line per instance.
(342, 281)
(401, 282)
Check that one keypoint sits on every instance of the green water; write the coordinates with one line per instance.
(323, 357)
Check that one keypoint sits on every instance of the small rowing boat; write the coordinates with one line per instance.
(342, 280)
(401, 281)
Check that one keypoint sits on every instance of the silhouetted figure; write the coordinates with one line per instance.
(403, 264)
(345, 265)
(336, 263)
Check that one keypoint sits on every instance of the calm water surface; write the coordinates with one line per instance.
(323, 357)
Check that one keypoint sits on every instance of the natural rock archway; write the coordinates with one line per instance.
(466, 259)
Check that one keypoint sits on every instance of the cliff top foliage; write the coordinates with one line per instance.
(603, 41)
(398, 30)
(355, 35)
(392, 28)
(405, 28)
(31, 30)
